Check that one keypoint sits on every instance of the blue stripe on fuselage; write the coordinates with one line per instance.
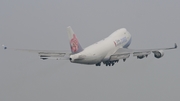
(127, 44)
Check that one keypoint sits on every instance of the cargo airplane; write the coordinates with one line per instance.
(107, 51)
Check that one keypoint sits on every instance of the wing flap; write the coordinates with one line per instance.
(42, 54)
(57, 56)
(141, 53)
(119, 56)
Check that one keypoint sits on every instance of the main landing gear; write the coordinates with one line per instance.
(98, 64)
(111, 63)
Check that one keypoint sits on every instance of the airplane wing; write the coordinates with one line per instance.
(124, 53)
(46, 54)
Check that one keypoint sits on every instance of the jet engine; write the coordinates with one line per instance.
(158, 54)
(140, 56)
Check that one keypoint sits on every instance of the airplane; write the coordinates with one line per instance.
(107, 51)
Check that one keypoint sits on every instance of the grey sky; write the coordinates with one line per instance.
(41, 24)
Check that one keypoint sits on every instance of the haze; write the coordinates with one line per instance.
(32, 24)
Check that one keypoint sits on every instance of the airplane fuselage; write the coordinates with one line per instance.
(102, 50)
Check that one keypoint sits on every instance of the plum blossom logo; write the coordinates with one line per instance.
(74, 44)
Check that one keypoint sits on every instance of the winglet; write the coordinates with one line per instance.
(4, 47)
(175, 45)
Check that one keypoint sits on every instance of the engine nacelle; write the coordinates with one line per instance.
(140, 56)
(158, 54)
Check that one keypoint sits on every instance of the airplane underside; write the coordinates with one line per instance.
(109, 63)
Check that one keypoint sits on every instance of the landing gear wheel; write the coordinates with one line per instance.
(98, 64)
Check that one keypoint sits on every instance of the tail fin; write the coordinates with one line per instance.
(74, 43)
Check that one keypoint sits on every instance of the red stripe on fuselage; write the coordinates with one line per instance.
(114, 43)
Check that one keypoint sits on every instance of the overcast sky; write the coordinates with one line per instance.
(41, 24)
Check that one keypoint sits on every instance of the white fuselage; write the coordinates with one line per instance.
(102, 50)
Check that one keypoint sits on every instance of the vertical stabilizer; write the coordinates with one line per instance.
(74, 43)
